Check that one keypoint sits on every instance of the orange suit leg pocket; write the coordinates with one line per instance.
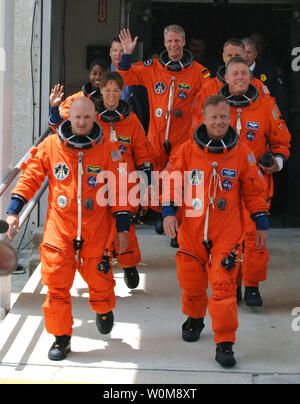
(101, 286)
(222, 305)
(192, 279)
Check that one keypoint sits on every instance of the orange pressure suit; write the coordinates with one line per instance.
(80, 226)
(171, 88)
(258, 123)
(215, 181)
(212, 87)
(129, 144)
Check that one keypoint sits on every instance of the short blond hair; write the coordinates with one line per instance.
(174, 28)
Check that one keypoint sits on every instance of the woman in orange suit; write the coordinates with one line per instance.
(81, 226)
(216, 173)
(130, 145)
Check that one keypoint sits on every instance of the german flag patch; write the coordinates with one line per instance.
(205, 72)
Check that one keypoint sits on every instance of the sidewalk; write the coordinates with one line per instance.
(145, 345)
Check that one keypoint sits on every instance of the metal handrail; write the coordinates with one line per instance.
(30, 206)
(8, 179)
(5, 295)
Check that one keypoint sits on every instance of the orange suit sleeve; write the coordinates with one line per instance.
(135, 74)
(253, 184)
(140, 143)
(278, 134)
(34, 173)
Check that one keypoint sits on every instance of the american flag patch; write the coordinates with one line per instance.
(275, 114)
(251, 159)
(116, 155)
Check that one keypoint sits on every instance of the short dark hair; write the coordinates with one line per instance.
(214, 100)
(105, 65)
(235, 60)
(115, 39)
(234, 42)
(114, 76)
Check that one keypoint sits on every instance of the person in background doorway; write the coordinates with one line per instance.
(198, 48)
(135, 95)
(268, 75)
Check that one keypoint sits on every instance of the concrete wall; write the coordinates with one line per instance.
(6, 110)
(23, 97)
(26, 83)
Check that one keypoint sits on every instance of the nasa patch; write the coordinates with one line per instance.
(160, 87)
(61, 171)
(182, 95)
(122, 149)
(92, 181)
(227, 185)
(250, 135)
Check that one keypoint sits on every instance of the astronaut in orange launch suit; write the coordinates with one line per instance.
(216, 172)
(81, 227)
(129, 144)
(258, 124)
(172, 81)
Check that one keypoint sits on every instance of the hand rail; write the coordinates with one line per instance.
(30, 206)
(8, 179)
(5, 290)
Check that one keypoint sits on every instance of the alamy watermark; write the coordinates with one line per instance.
(296, 61)
(295, 325)
(181, 188)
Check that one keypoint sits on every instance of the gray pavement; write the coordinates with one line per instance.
(145, 345)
